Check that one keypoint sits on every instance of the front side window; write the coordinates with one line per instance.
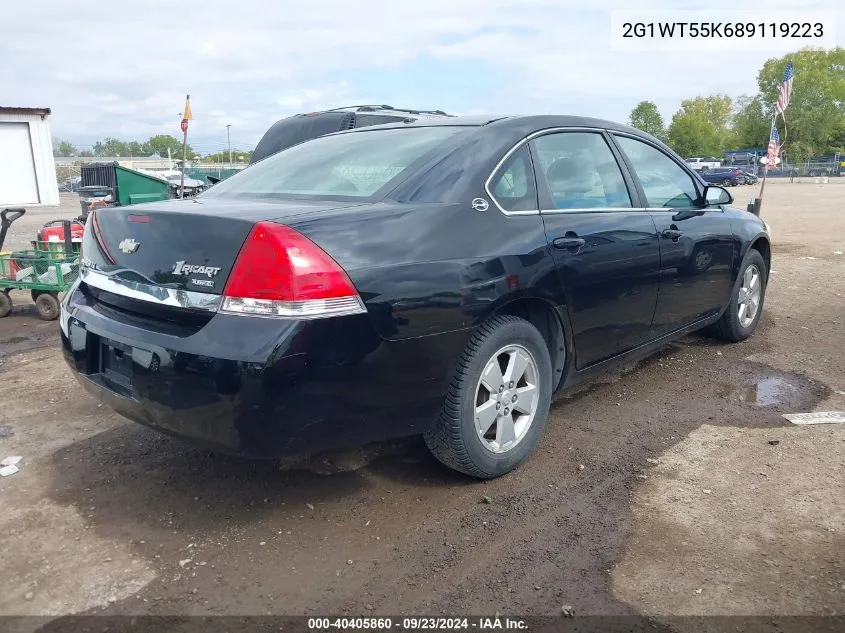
(581, 171)
(665, 183)
(355, 164)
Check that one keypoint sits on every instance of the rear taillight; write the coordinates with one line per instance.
(281, 273)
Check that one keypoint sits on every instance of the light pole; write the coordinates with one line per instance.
(229, 141)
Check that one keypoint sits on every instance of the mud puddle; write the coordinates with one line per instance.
(766, 387)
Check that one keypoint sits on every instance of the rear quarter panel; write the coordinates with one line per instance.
(425, 269)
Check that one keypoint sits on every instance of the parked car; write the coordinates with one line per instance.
(750, 178)
(704, 164)
(173, 177)
(726, 176)
(441, 278)
(192, 186)
(303, 127)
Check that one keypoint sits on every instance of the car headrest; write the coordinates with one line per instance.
(572, 174)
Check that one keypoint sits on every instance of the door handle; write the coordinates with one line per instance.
(673, 234)
(569, 242)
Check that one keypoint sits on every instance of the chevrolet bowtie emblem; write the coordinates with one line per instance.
(128, 245)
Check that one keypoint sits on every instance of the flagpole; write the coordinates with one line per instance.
(184, 158)
(186, 116)
(784, 94)
(759, 201)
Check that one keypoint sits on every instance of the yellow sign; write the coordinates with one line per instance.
(187, 114)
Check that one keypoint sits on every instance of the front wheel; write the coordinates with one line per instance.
(498, 401)
(746, 304)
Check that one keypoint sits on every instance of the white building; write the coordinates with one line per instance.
(27, 170)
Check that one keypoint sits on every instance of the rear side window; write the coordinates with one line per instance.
(513, 184)
(355, 164)
(581, 171)
(665, 183)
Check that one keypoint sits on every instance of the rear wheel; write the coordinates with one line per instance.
(746, 305)
(498, 400)
(5, 303)
(727, 182)
(47, 306)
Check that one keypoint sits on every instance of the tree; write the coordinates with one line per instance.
(700, 127)
(110, 147)
(646, 117)
(159, 144)
(815, 117)
(751, 124)
(239, 157)
(64, 148)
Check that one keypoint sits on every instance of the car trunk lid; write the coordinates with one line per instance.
(179, 245)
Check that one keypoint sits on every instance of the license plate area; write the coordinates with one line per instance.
(116, 363)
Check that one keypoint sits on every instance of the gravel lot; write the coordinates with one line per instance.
(654, 491)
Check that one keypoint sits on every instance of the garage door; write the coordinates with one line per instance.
(17, 167)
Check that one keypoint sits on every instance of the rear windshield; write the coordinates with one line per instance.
(356, 164)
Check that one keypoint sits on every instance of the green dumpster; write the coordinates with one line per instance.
(127, 185)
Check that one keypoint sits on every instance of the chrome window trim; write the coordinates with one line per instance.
(676, 209)
(620, 209)
(543, 132)
(593, 210)
(689, 171)
(516, 147)
(151, 293)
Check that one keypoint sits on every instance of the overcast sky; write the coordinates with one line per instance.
(123, 68)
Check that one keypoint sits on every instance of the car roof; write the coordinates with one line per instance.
(504, 122)
(386, 110)
(297, 128)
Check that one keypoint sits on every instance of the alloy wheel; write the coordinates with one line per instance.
(506, 398)
(749, 296)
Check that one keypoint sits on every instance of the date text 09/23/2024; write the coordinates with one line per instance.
(417, 624)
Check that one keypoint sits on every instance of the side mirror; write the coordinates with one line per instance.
(716, 196)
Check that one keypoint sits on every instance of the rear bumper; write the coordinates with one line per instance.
(260, 387)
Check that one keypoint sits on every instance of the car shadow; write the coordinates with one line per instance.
(130, 478)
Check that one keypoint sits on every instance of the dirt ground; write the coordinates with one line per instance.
(656, 491)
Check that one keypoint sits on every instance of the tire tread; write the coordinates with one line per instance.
(727, 328)
(444, 439)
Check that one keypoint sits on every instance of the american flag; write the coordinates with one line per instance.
(774, 147)
(785, 89)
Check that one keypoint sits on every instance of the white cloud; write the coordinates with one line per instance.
(123, 69)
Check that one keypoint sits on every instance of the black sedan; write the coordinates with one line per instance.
(442, 278)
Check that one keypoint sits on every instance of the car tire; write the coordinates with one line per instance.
(733, 326)
(5, 304)
(727, 182)
(457, 438)
(47, 307)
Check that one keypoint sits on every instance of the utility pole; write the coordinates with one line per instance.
(229, 141)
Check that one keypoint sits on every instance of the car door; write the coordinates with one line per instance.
(697, 246)
(605, 248)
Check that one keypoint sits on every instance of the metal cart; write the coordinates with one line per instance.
(48, 268)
